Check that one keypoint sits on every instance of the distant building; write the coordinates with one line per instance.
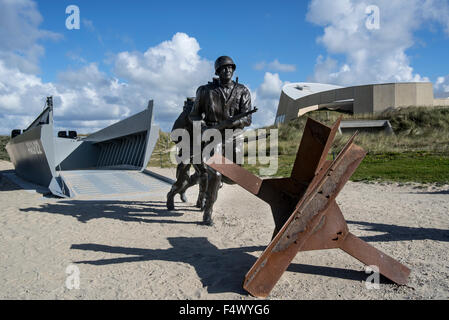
(302, 97)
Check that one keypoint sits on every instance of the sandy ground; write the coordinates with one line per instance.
(135, 249)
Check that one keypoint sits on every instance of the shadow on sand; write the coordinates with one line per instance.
(6, 184)
(432, 192)
(220, 270)
(128, 211)
(9, 181)
(400, 233)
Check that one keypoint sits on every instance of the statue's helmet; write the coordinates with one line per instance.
(223, 61)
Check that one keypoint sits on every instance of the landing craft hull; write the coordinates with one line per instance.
(32, 154)
(43, 159)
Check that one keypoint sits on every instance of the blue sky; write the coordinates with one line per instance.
(127, 52)
(249, 31)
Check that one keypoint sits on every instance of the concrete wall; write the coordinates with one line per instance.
(363, 99)
(405, 94)
(292, 109)
(367, 98)
(383, 97)
(413, 94)
(441, 102)
(344, 93)
(424, 94)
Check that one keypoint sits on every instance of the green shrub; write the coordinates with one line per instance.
(3, 154)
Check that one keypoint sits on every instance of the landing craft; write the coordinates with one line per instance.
(110, 161)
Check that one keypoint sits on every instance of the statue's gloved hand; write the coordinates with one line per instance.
(231, 124)
(237, 123)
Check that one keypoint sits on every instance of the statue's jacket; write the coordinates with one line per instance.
(215, 103)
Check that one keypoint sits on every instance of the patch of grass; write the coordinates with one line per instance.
(285, 166)
(3, 154)
(421, 167)
(161, 153)
(418, 152)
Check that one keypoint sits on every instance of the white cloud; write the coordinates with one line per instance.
(436, 11)
(22, 97)
(21, 93)
(174, 65)
(271, 86)
(371, 55)
(275, 65)
(19, 34)
(167, 73)
(87, 99)
(266, 99)
(441, 87)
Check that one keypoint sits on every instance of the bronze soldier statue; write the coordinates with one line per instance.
(217, 103)
(183, 179)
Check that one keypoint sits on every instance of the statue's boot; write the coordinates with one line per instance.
(213, 185)
(180, 186)
(203, 183)
(170, 201)
(201, 201)
(207, 217)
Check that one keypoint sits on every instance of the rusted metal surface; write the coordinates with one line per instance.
(329, 232)
(369, 255)
(304, 220)
(243, 177)
(283, 194)
(305, 212)
(315, 144)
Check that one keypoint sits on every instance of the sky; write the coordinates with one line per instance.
(125, 53)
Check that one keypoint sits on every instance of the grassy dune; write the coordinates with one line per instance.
(418, 152)
(3, 154)
(161, 153)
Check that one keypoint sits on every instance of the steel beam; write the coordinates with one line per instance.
(305, 213)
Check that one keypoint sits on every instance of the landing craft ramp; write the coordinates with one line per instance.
(108, 163)
(107, 184)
